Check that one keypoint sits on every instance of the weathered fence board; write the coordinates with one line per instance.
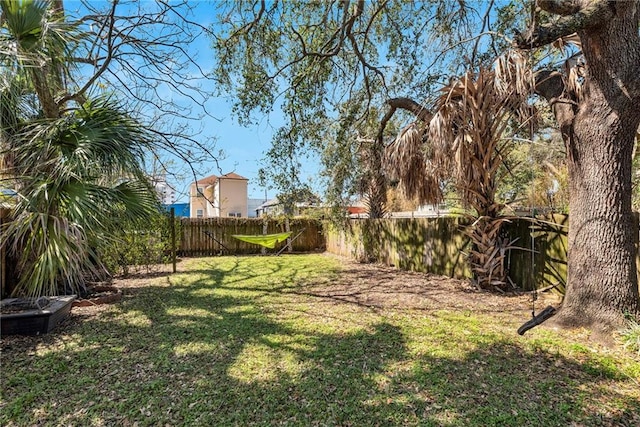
(433, 245)
(542, 261)
(214, 236)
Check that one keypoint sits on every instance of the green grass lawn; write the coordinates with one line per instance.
(249, 341)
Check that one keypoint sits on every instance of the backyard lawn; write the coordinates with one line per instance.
(311, 340)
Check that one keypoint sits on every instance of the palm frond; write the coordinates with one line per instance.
(462, 145)
(51, 251)
(407, 161)
(34, 36)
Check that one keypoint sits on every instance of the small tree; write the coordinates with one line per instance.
(135, 245)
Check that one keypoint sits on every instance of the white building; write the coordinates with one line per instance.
(166, 193)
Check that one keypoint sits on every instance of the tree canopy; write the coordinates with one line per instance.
(330, 65)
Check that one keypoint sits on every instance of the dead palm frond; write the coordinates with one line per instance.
(408, 161)
(470, 119)
(563, 43)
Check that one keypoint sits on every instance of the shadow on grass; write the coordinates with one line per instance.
(209, 351)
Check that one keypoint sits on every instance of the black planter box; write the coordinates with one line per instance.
(35, 321)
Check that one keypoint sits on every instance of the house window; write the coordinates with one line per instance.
(199, 213)
(235, 214)
(200, 192)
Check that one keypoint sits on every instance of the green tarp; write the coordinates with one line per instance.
(266, 240)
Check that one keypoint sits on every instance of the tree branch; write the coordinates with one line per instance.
(591, 15)
(410, 105)
(551, 86)
(79, 95)
(560, 7)
(383, 125)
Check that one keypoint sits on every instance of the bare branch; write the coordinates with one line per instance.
(78, 95)
(485, 26)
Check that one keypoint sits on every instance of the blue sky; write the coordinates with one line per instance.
(243, 147)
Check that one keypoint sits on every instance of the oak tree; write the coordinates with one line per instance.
(598, 114)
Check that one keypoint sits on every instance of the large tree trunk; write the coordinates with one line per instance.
(602, 278)
(598, 124)
(602, 275)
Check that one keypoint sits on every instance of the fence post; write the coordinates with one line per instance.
(265, 229)
(172, 220)
(287, 228)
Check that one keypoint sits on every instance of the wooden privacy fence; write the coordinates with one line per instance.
(213, 236)
(542, 261)
(437, 245)
(430, 245)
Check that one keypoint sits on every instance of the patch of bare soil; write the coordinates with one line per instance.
(383, 287)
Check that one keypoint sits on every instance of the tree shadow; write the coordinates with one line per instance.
(208, 352)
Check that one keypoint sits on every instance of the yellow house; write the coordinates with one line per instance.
(219, 196)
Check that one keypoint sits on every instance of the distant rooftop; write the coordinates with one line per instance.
(211, 180)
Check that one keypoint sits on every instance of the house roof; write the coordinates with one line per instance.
(210, 180)
(269, 203)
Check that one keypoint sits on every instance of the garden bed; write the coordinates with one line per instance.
(41, 317)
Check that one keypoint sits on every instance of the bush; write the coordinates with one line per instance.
(137, 247)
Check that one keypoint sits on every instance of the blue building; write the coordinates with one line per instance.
(181, 209)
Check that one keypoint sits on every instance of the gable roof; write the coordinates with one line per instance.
(269, 203)
(211, 180)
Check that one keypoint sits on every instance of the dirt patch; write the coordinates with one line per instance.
(383, 287)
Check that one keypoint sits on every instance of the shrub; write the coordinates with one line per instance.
(137, 247)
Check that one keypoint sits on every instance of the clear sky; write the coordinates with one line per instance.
(244, 147)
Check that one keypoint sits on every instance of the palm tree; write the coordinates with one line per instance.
(76, 164)
(463, 144)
